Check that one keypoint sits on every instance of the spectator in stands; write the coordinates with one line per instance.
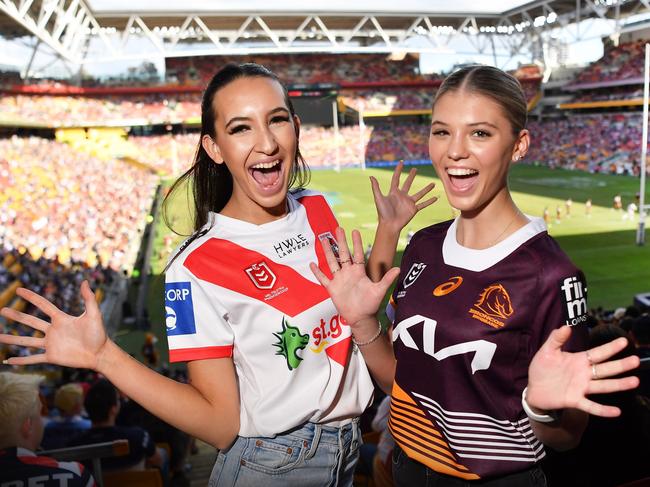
(21, 431)
(103, 405)
(68, 401)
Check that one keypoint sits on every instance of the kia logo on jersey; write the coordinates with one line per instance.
(414, 272)
(261, 275)
(179, 309)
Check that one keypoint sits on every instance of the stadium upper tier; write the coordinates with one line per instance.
(619, 64)
(164, 108)
(346, 69)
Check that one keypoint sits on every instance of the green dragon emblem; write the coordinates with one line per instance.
(289, 342)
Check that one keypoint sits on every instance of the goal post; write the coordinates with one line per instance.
(640, 233)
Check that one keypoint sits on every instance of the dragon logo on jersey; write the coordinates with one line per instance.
(414, 272)
(261, 275)
(290, 341)
(493, 303)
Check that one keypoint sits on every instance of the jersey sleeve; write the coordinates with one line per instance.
(563, 301)
(196, 323)
(391, 306)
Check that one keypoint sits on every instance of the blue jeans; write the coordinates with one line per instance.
(313, 455)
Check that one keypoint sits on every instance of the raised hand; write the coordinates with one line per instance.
(558, 380)
(396, 208)
(355, 296)
(72, 341)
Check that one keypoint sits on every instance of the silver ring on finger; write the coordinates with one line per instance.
(359, 263)
(594, 374)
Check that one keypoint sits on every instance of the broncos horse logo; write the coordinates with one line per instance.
(290, 340)
(494, 301)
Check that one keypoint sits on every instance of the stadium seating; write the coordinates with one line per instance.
(304, 68)
(607, 143)
(624, 62)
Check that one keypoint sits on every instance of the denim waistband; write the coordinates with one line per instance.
(326, 433)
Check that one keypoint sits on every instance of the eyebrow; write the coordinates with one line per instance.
(438, 122)
(245, 119)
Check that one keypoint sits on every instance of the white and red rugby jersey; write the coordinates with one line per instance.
(246, 291)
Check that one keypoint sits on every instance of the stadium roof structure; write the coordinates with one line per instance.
(102, 31)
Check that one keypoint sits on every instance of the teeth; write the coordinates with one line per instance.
(460, 171)
(266, 165)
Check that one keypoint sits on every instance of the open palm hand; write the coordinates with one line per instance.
(558, 379)
(72, 341)
(355, 296)
(396, 208)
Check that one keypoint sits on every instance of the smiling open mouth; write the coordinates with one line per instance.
(266, 174)
(461, 177)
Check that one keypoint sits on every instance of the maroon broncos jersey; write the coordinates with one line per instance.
(466, 324)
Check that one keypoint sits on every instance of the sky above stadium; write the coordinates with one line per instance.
(403, 6)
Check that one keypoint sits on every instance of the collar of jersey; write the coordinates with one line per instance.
(475, 260)
(24, 452)
(216, 219)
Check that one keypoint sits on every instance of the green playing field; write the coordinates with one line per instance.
(601, 244)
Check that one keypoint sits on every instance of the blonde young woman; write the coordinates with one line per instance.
(486, 365)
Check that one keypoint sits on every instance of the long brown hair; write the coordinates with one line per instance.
(211, 183)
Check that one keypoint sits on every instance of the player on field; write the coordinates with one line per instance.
(481, 370)
(273, 380)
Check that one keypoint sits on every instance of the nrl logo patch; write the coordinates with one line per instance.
(261, 275)
(413, 273)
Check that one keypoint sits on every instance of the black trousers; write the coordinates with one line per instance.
(411, 473)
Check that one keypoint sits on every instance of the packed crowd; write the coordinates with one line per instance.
(610, 93)
(173, 154)
(618, 63)
(308, 68)
(76, 110)
(58, 281)
(68, 206)
(605, 142)
(388, 100)
(167, 154)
